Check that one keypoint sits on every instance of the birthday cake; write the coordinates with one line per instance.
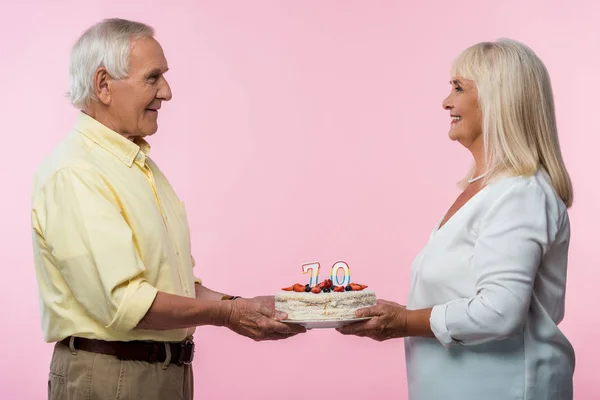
(324, 301)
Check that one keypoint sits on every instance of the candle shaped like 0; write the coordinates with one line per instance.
(334, 276)
(314, 273)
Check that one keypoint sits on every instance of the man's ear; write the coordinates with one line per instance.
(102, 86)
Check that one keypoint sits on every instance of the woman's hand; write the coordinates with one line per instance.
(389, 321)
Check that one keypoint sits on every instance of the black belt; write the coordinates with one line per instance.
(181, 353)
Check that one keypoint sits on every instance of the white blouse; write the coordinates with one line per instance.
(495, 275)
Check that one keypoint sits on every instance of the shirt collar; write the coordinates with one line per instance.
(124, 149)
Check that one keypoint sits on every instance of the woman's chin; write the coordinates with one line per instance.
(452, 135)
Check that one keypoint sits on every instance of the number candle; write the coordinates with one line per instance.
(334, 274)
(314, 273)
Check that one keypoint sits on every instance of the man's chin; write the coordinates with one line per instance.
(149, 131)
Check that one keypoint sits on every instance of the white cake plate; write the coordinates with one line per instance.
(324, 324)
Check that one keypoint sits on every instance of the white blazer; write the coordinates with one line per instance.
(495, 275)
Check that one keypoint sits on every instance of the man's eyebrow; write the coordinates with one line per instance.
(157, 71)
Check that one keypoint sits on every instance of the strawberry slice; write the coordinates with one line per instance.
(338, 289)
(316, 290)
(298, 287)
(288, 289)
(325, 284)
(356, 287)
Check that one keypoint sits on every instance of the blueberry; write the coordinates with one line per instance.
(326, 290)
(348, 288)
(307, 288)
(307, 285)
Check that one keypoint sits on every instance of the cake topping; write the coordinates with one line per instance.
(296, 288)
(356, 286)
(326, 286)
(327, 283)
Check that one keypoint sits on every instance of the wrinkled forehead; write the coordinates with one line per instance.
(146, 55)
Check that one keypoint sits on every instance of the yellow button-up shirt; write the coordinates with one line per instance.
(108, 233)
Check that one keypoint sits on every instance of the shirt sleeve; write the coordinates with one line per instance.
(514, 235)
(94, 248)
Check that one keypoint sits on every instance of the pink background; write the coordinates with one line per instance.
(299, 131)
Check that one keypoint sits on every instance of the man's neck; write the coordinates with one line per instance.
(105, 120)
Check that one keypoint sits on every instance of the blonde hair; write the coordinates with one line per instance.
(106, 44)
(517, 108)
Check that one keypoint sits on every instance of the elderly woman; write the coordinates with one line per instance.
(488, 289)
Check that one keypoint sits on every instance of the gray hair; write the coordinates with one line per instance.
(106, 44)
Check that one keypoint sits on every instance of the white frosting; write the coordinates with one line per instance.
(323, 306)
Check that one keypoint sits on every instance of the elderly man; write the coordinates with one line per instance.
(111, 239)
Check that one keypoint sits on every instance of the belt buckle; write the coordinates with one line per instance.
(187, 352)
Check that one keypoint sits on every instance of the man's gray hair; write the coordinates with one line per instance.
(106, 44)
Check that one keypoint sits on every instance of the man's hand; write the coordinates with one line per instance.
(388, 321)
(258, 320)
(268, 301)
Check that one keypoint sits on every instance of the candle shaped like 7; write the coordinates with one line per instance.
(314, 273)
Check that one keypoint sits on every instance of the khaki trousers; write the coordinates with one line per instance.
(78, 374)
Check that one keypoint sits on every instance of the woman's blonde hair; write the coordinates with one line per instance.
(517, 108)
